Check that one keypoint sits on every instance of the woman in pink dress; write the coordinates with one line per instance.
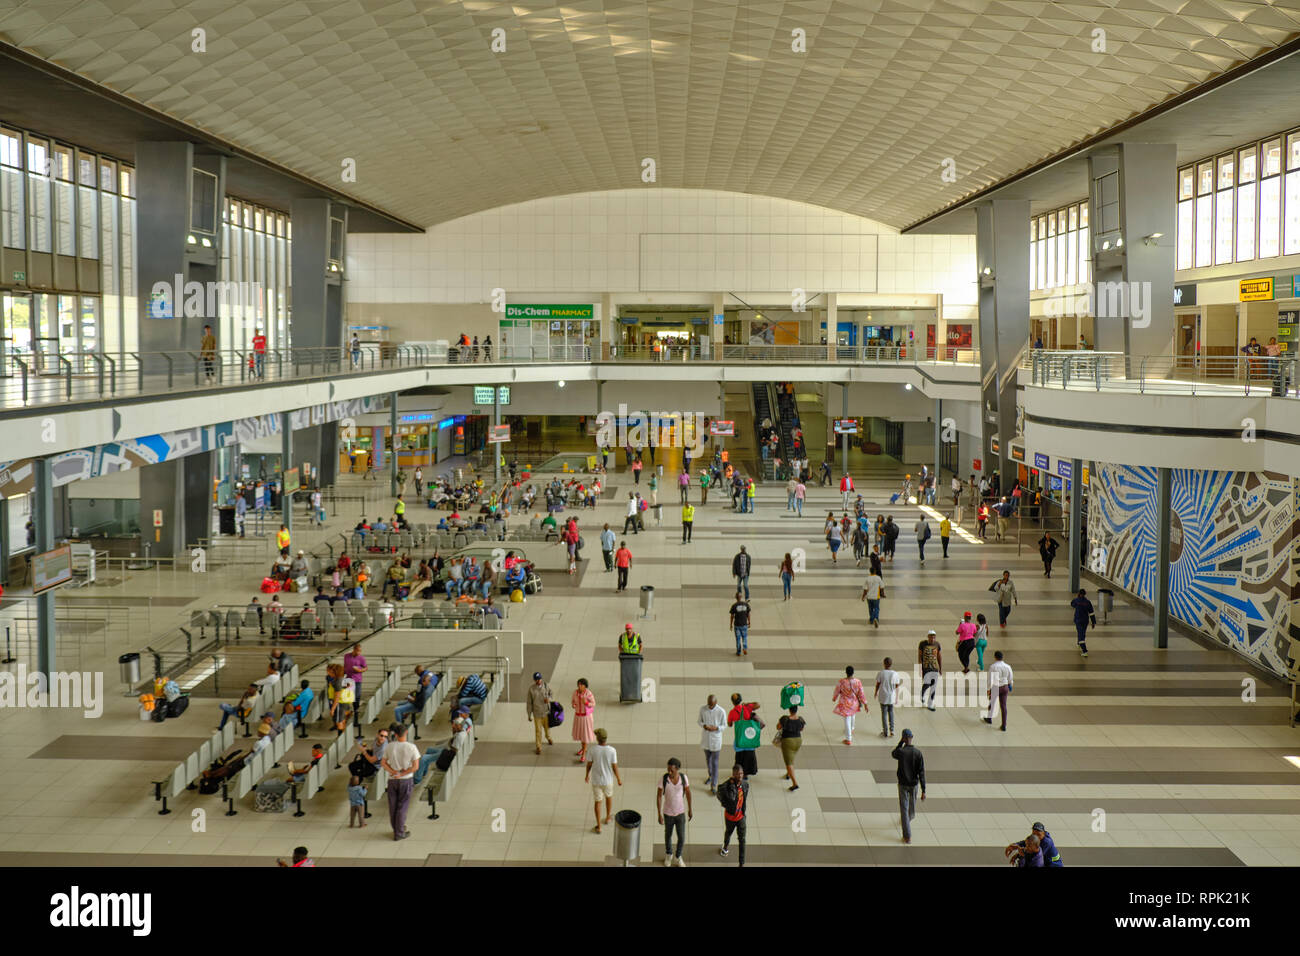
(848, 699)
(584, 717)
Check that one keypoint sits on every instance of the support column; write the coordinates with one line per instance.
(4, 541)
(722, 411)
(286, 462)
(496, 449)
(844, 439)
(938, 446)
(1133, 305)
(607, 309)
(940, 332)
(43, 519)
(1160, 600)
(716, 318)
(1002, 270)
(832, 324)
(392, 434)
(1076, 518)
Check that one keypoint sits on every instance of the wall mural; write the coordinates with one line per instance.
(1233, 551)
(81, 463)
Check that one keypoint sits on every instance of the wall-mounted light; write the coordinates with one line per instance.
(1119, 242)
(987, 271)
(1105, 245)
(207, 243)
(191, 240)
(908, 386)
(560, 383)
(1151, 240)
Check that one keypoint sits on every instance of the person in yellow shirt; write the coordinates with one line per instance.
(945, 532)
(399, 509)
(282, 541)
(688, 521)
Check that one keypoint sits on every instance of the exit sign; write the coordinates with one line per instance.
(20, 276)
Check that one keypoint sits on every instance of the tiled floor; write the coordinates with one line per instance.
(1132, 757)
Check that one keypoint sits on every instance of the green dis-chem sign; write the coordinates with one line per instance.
(548, 312)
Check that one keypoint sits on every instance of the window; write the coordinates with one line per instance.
(1223, 232)
(1186, 215)
(1033, 254)
(1051, 250)
(1246, 170)
(336, 241)
(1085, 251)
(1204, 214)
(87, 208)
(1042, 252)
(107, 176)
(1291, 221)
(12, 195)
(40, 226)
(1061, 254)
(203, 203)
(65, 230)
(1270, 199)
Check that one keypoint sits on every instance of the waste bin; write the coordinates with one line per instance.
(627, 836)
(226, 519)
(647, 599)
(130, 666)
(1107, 598)
(629, 678)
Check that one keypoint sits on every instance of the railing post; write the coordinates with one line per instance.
(170, 370)
(23, 366)
(279, 363)
(99, 370)
(67, 364)
(112, 373)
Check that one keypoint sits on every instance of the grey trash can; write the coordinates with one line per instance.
(647, 599)
(1107, 598)
(130, 666)
(629, 678)
(627, 836)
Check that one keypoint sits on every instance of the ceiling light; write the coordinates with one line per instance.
(986, 271)
(561, 383)
(908, 386)
(1156, 235)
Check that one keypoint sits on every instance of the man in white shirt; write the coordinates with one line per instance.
(630, 520)
(1000, 678)
(400, 761)
(957, 487)
(922, 529)
(887, 682)
(602, 771)
(712, 719)
(872, 591)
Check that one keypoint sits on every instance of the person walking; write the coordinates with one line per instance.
(800, 493)
(846, 490)
(684, 486)
(734, 797)
(911, 774)
(673, 804)
(790, 487)
(259, 354)
(607, 547)
(602, 771)
(740, 613)
(636, 469)
(355, 349)
(834, 537)
(849, 699)
(705, 481)
(399, 762)
(583, 704)
(922, 529)
(538, 706)
(1006, 594)
(208, 352)
(982, 521)
(789, 737)
(748, 733)
(623, 562)
(740, 567)
(1003, 509)
(887, 682)
(711, 720)
(1083, 616)
(873, 589)
(1000, 679)
(966, 632)
(688, 519)
(631, 518)
(787, 575)
(891, 538)
(945, 532)
(930, 656)
(283, 540)
(1047, 546)
(981, 638)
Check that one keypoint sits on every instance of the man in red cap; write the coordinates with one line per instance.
(629, 642)
(965, 641)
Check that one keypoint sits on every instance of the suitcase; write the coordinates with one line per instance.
(177, 707)
(893, 498)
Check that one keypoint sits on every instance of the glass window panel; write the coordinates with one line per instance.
(107, 176)
(1247, 164)
(1204, 178)
(1272, 161)
(128, 181)
(1033, 265)
(87, 226)
(85, 169)
(1051, 261)
(65, 230)
(203, 202)
(1223, 233)
(1060, 258)
(1083, 216)
(1074, 217)
(1204, 230)
(39, 223)
(1186, 183)
(1245, 221)
(13, 197)
(1270, 216)
(1291, 225)
(1072, 257)
(63, 163)
(1085, 262)
(1293, 150)
(90, 331)
(1226, 168)
(129, 303)
(11, 149)
(1186, 223)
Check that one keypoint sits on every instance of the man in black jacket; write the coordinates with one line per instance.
(911, 772)
(740, 565)
(734, 797)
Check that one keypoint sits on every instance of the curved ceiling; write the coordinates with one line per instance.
(439, 125)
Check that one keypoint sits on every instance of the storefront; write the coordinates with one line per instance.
(548, 332)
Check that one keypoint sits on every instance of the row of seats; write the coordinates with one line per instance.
(439, 785)
(376, 701)
(431, 705)
(187, 771)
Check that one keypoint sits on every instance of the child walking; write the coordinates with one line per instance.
(357, 801)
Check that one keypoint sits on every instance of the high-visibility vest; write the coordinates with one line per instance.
(282, 539)
(630, 643)
(688, 512)
(400, 508)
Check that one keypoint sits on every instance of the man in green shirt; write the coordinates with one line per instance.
(704, 487)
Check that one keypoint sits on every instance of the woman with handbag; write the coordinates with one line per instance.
(584, 717)
(789, 737)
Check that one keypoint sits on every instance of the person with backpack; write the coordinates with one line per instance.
(673, 805)
(538, 707)
(891, 538)
(1006, 592)
(789, 737)
(734, 797)
(922, 529)
(1083, 615)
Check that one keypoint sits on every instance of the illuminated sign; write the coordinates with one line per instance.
(483, 394)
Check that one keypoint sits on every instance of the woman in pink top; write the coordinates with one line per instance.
(966, 641)
(584, 717)
(849, 699)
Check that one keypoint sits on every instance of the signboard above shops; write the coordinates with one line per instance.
(1042, 461)
(1185, 294)
(528, 312)
(718, 428)
(483, 394)
(1256, 290)
(846, 426)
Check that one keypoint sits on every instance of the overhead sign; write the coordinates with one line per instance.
(1063, 467)
(1017, 452)
(291, 483)
(499, 433)
(483, 394)
(51, 569)
(846, 426)
(1042, 461)
(994, 446)
(523, 311)
(722, 428)
(977, 464)
(717, 318)
(1185, 294)
(157, 518)
(1255, 290)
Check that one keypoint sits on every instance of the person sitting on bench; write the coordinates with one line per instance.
(414, 702)
(243, 708)
(272, 676)
(295, 711)
(442, 757)
(455, 575)
(472, 574)
(282, 661)
(470, 690)
(298, 568)
(298, 772)
(266, 732)
(516, 577)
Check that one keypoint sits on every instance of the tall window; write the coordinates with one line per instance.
(65, 229)
(1186, 215)
(87, 208)
(1270, 199)
(1246, 175)
(39, 224)
(203, 203)
(1204, 214)
(1042, 252)
(1033, 255)
(1291, 223)
(1224, 180)
(12, 231)
(1072, 247)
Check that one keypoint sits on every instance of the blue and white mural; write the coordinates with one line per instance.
(1233, 551)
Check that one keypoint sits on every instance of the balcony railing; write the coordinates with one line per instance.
(1166, 374)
